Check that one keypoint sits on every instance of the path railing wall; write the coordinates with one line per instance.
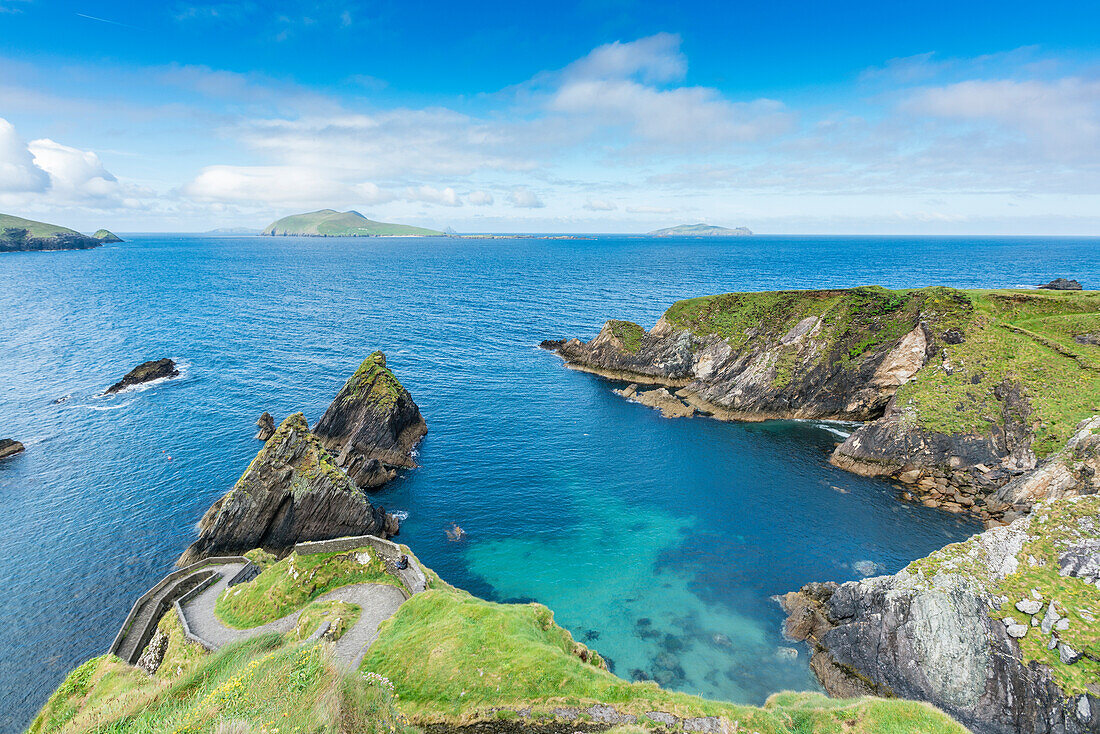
(412, 578)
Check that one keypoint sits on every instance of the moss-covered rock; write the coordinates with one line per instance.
(373, 425)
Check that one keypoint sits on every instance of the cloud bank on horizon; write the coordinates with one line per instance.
(623, 137)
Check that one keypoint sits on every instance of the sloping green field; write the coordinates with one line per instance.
(34, 229)
(330, 223)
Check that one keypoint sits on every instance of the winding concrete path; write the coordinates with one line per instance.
(378, 603)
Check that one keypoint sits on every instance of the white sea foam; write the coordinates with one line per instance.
(182, 367)
(401, 515)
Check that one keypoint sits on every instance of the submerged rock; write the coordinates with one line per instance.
(145, 372)
(266, 424)
(292, 492)
(944, 630)
(9, 447)
(372, 426)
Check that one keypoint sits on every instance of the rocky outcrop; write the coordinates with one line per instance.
(372, 426)
(155, 369)
(106, 236)
(9, 447)
(266, 424)
(985, 629)
(1075, 470)
(1062, 284)
(292, 492)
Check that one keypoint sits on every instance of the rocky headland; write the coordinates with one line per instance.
(22, 235)
(999, 631)
(293, 491)
(266, 424)
(959, 392)
(154, 369)
(9, 447)
(372, 426)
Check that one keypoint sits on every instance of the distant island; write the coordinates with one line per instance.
(700, 230)
(107, 236)
(20, 235)
(330, 223)
(235, 231)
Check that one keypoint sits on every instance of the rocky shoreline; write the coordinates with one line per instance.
(154, 369)
(941, 417)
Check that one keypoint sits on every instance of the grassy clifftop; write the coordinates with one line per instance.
(1046, 341)
(331, 223)
(446, 657)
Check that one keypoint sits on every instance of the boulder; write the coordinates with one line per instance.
(9, 447)
(145, 372)
(266, 424)
(664, 401)
(1062, 284)
(292, 492)
(372, 426)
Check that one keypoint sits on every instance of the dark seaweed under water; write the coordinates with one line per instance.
(658, 542)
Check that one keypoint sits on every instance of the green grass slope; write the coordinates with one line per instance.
(34, 229)
(700, 230)
(330, 223)
(1047, 341)
(446, 657)
(18, 234)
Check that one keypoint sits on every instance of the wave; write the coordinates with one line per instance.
(120, 406)
(401, 515)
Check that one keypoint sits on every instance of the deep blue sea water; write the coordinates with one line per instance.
(658, 542)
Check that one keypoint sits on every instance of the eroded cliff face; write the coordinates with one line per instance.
(960, 392)
(999, 631)
(292, 492)
(372, 426)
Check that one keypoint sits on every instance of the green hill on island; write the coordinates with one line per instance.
(18, 234)
(106, 235)
(331, 223)
(700, 230)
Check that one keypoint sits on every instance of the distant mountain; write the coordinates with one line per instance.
(330, 223)
(18, 234)
(700, 230)
(234, 231)
(105, 236)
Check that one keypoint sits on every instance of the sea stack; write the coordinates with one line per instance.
(292, 492)
(372, 426)
(9, 447)
(266, 424)
(145, 372)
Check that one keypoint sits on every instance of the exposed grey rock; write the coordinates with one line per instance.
(661, 399)
(1081, 560)
(1067, 654)
(1029, 606)
(266, 424)
(926, 633)
(373, 425)
(153, 655)
(292, 492)
(154, 369)
(1062, 284)
(10, 447)
(1049, 619)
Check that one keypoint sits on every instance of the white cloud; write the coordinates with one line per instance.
(524, 198)
(370, 193)
(1061, 115)
(479, 198)
(617, 85)
(432, 195)
(649, 210)
(76, 175)
(18, 171)
(599, 205)
(264, 184)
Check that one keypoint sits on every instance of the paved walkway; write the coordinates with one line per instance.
(378, 602)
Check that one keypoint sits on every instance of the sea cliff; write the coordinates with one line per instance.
(959, 391)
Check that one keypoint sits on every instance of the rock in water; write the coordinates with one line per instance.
(9, 447)
(372, 426)
(292, 492)
(1062, 284)
(266, 424)
(154, 369)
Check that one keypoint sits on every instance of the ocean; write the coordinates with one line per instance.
(657, 542)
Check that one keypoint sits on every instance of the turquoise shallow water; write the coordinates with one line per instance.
(658, 542)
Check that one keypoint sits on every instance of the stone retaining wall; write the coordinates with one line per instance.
(412, 578)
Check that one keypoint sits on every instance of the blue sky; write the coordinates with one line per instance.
(602, 115)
